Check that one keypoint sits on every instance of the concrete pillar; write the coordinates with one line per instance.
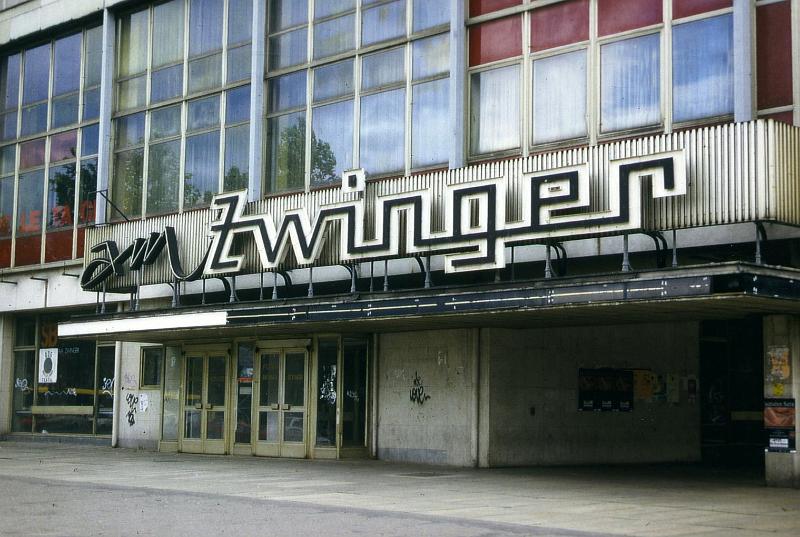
(743, 60)
(106, 98)
(458, 82)
(6, 373)
(257, 100)
(782, 382)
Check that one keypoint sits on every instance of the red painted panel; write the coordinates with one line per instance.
(58, 245)
(774, 54)
(495, 40)
(5, 253)
(81, 240)
(687, 8)
(785, 117)
(28, 250)
(615, 16)
(560, 24)
(479, 7)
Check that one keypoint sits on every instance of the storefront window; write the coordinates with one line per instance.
(172, 390)
(152, 363)
(354, 393)
(327, 386)
(244, 393)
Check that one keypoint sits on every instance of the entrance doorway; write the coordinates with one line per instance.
(205, 402)
(281, 403)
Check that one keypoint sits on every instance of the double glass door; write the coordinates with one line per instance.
(281, 402)
(204, 403)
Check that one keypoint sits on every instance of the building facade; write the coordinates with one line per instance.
(473, 233)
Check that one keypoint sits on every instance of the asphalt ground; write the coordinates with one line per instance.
(78, 490)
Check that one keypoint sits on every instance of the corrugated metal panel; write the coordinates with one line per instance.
(739, 172)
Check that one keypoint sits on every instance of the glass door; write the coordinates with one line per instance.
(204, 403)
(281, 403)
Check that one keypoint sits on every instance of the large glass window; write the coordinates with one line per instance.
(321, 121)
(494, 110)
(49, 101)
(559, 97)
(702, 68)
(196, 140)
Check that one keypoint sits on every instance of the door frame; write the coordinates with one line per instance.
(203, 445)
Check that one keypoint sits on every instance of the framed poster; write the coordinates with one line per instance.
(605, 390)
(48, 366)
(779, 421)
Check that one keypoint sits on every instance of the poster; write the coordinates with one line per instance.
(779, 367)
(779, 421)
(605, 390)
(643, 384)
(48, 366)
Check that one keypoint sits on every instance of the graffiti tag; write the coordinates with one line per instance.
(132, 400)
(417, 393)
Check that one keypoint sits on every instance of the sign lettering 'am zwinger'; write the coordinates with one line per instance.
(550, 203)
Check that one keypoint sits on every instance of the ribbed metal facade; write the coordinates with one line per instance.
(741, 172)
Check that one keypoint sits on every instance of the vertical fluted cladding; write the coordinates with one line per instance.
(739, 172)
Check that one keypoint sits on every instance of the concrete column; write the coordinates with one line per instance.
(458, 83)
(782, 381)
(6, 373)
(743, 60)
(257, 101)
(106, 102)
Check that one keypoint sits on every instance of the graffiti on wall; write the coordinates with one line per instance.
(132, 401)
(417, 393)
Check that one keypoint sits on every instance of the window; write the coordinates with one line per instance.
(537, 76)
(152, 365)
(47, 106)
(187, 139)
(374, 97)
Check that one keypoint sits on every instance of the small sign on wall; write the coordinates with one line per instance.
(48, 366)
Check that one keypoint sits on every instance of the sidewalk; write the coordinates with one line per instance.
(638, 500)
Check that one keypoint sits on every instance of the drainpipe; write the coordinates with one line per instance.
(117, 390)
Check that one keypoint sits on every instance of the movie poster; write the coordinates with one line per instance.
(605, 390)
(779, 421)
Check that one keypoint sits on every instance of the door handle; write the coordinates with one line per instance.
(287, 407)
(198, 406)
(276, 406)
(209, 407)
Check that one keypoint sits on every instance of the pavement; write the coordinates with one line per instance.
(64, 489)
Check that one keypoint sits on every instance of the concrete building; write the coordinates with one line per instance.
(484, 233)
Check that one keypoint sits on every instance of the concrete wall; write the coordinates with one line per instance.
(138, 428)
(440, 430)
(533, 396)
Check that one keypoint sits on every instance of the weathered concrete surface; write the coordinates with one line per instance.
(52, 489)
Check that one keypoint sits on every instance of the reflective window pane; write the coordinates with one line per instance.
(325, 8)
(237, 105)
(7, 158)
(334, 36)
(203, 113)
(270, 380)
(9, 81)
(31, 154)
(293, 426)
(382, 133)
(29, 202)
(205, 73)
(166, 83)
(8, 126)
(430, 13)
(90, 137)
(61, 197)
(384, 22)
(431, 56)
(126, 184)
(36, 74)
(333, 80)
(244, 392)
(217, 369)
(494, 110)
(132, 43)
(162, 177)
(286, 152)
(87, 194)
(327, 382)
(62, 146)
(287, 49)
(165, 122)
(131, 93)
(91, 104)
(331, 143)
(67, 64)
(288, 91)
(201, 170)
(240, 20)
(6, 206)
(383, 69)
(430, 128)
(559, 97)
(168, 33)
(630, 83)
(702, 68)
(268, 426)
(205, 26)
(354, 392)
(94, 56)
(34, 119)
(65, 111)
(237, 167)
(294, 385)
(238, 64)
(286, 13)
(129, 130)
